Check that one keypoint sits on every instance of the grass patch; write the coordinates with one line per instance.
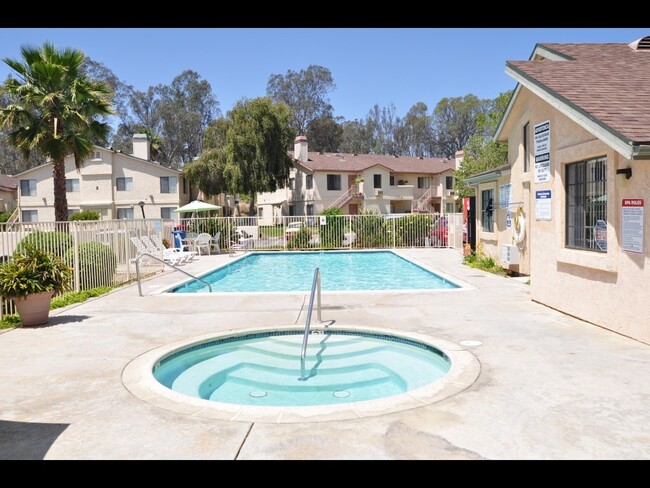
(480, 260)
(13, 320)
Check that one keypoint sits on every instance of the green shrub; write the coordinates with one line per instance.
(54, 242)
(85, 215)
(78, 297)
(97, 264)
(370, 228)
(4, 217)
(331, 234)
(300, 239)
(33, 270)
(411, 230)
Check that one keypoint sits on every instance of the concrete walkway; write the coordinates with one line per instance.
(550, 386)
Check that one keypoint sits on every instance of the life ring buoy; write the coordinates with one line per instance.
(519, 229)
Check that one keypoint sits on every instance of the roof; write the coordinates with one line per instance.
(154, 163)
(490, 174)
(354, 163)
(8, 183)
(605, 84)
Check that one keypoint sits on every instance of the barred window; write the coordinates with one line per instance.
(586, 205)
(487, 221)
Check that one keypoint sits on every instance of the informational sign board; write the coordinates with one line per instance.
(543, 152)
(323, 220)
(632, 225)
(505, 199)
(543, 205)
(157, 226)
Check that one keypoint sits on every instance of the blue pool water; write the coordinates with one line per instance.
(294, 271)
(264, 368)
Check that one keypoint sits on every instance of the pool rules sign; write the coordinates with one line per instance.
(632, 224)
(543, 152)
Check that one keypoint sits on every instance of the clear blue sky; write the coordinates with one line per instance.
(369, 65)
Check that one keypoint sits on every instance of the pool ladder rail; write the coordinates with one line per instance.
(137, 271)
(315, 292)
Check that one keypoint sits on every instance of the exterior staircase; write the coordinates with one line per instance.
(352, 193)
(423, 204)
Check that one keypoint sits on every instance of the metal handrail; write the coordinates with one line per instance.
(137, 271)
(315, 290)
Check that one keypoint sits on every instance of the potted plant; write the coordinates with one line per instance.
(31, 277)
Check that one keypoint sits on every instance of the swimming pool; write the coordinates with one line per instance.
(293, 271)
(264, 369)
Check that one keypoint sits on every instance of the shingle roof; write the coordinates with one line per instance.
(8, 183)
(610, 82)
(355, 163)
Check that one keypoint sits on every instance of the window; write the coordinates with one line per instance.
(292, 183)
(309, 182)
(71, 185)
(292, 211)
(28, 188)
(125, 213)
(260, 212)
(449, 208)
(29, 215)
(376, 181)
(168, 184)
(97, 155)
(124, 184)
(586, 205)
(310, 209)
(166, 212)
(391, 180)
(423, 182)
(449, 182)
(487, 222)
(526, 139)
(334, 182)
(72, 211)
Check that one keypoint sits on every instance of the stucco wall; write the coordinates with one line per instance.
(608, 289)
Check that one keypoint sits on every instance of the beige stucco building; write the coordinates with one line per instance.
(109, 182)
(578, 133)
(8, 193)
(354, 182)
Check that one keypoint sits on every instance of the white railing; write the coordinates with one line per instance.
(351, 193)
(101, 252)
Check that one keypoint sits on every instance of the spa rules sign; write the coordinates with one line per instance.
(543, 152)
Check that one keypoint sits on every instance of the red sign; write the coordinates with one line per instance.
(633, 202)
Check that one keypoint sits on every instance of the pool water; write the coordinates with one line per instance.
(294, 271)
(265, 369)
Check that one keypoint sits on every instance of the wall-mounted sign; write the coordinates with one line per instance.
(323, 220)
(632, 225)
(505, 199)
(543, 152)
(543, 205)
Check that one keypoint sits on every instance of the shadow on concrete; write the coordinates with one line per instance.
(60, 320)
(27, 440)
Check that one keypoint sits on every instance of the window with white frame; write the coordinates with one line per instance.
(424, 182)
(97, 155)
(449, 182)
(310, 209)
(376, 180)
(71, 185)
(124, 184)
(29, 215)
(168, 184)
(166, 212)
(487, 207)
(449, 208)
(391, 180)
(28, 188)
(125, 213)
(586, 205)
(309, 182)
(333, 182)
(260, 212)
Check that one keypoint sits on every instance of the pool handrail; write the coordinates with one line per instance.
(137, 271)
(315, 290)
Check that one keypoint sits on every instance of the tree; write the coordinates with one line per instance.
(305, 92)
(418, 132)
(356, 137)
(207, 171)
(482, 152)
(54, 109)
(455, 122)
(325, 134)
(257, 139)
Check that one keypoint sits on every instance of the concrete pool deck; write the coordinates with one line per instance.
(550, 386)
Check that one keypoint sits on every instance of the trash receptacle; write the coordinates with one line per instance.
(179, 235)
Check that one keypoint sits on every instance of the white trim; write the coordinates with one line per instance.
(543, 51)
(622, 147)
(506, 114)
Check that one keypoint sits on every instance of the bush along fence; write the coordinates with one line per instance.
(101, 252)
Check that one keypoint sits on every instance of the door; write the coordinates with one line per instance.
(353, 208)
(351, 179)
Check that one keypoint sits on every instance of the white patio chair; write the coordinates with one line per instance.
(186, 256)
(203, 241)
(169, 256)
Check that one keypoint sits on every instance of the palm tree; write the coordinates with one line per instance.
(53, 108)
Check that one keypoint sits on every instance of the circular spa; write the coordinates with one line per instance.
(257, 375)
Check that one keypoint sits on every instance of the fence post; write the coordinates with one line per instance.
(75, 261)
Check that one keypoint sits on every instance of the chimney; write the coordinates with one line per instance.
(141, 146)
(459, 158)
(300, 148)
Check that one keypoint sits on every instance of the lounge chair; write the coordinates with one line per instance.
(143, 248)
(160, 247)
(170, 255)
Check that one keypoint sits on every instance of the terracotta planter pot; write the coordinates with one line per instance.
(34, 309)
